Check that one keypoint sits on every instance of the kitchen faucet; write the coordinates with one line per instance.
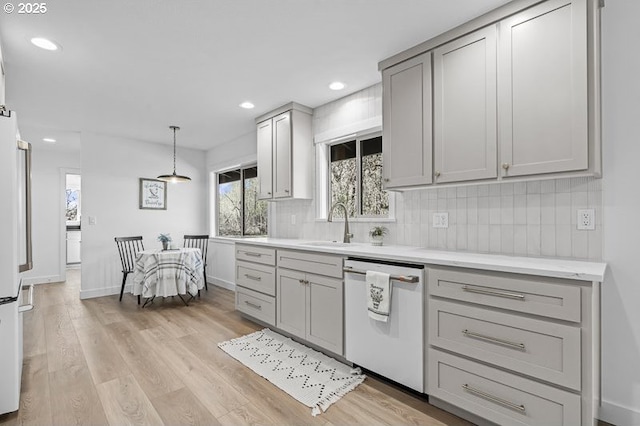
(347, 235)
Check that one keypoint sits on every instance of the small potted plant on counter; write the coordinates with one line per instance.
(165, 239)
(377, 234)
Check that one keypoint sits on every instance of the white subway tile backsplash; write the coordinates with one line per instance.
(472, 238)
(520, 209)
(519, 188)
(495, 239)
(533, 187)
(548, 240)
(532, 218)
(533, 240)
(483, 238)
(533, 209)
(506, 188)
(507, 234)
(520, 240)
(506, 210)
(548, 186)
(563, 240)
(579, 244)
(548, 209)
(495, 215)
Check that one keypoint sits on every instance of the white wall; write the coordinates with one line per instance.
(111, 168)
(621, 152)
(240, 151)
(48, 212)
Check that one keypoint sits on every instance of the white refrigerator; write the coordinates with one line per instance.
(15, 255)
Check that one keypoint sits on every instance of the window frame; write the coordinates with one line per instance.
(323, 177)
(216, 180)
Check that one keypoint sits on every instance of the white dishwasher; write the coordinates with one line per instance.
(393, 349)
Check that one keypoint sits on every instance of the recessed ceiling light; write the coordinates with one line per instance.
(247, 105)
(50, 140)
(44, 43)
(336, 85)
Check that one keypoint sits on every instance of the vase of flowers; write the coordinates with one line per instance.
(165, 239)
(377, 234)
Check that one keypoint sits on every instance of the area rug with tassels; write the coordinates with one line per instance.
(307, 375)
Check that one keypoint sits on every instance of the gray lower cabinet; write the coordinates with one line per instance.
(255, 276)
(310, 306)
(513, 349)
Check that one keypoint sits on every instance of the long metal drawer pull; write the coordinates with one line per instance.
(496, 293)
(248, 253)
(253, 305)
(253, 277)
(494, 398)
(404, 278)
(29, 306)
(493, 339)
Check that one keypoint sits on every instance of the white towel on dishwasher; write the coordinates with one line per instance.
(378, 295)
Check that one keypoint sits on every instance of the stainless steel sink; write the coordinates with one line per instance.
(326, 244)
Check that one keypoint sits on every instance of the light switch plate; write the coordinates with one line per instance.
(441, 220)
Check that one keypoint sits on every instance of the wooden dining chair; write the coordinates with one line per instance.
(128, 248)
(201, 242)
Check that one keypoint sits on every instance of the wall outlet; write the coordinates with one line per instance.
(441, 220)
(293, 219)
(93, 220)
(586, 219)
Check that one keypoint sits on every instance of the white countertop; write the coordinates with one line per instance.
(557, 268)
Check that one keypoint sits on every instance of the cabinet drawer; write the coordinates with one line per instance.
(257, 305)
(548, 297)
(540, 349)
(257, 277)
(315, 263)
(498, 396)
(265, 255)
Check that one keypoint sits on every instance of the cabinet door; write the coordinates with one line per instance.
(325, 313)
(282, 155)
(464, 91)
(543, 89)
(291, 302)
(406, 109)
(265, 160)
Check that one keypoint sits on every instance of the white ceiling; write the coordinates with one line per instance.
(132, 68)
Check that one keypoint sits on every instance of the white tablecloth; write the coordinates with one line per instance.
(168, 272)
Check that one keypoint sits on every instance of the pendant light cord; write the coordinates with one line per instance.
(174, 147)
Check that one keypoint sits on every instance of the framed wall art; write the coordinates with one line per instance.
(153, 194)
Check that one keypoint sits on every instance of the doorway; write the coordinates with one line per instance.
(73, 222)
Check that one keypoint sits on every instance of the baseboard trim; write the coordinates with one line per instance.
(618, 415)
(105, 291)
(221, 283)
(47, 279)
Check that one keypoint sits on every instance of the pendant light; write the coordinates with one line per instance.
(174, 178)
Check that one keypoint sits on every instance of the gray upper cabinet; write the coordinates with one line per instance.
(285, 153)
(464, 90)
(407, 137)
(265, 163)
(515, 95)
(543, 109)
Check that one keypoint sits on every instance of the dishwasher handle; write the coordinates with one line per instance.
(403, 278)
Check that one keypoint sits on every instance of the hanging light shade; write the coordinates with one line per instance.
(174, 178)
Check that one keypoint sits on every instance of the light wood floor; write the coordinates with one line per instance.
(99, 361)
